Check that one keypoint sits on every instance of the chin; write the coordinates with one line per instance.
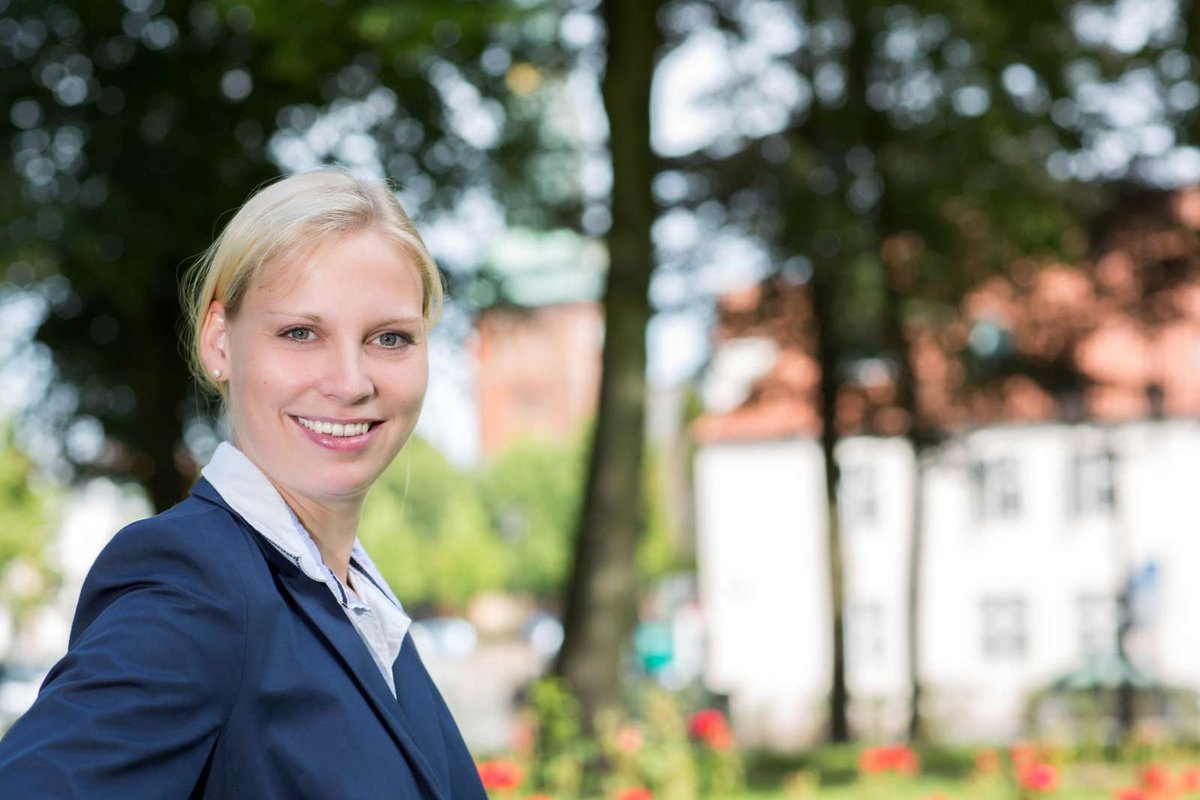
(342, 490)
(335, 480)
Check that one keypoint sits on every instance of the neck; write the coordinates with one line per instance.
(332, 526)
(331, 522)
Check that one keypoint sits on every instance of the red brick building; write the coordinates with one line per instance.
(538, 371)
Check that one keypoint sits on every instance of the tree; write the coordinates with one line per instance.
(910, 164)
(532, 491)
(135, 130)
(602, 592)
(505, 526)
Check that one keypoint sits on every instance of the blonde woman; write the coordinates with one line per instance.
(242, 644)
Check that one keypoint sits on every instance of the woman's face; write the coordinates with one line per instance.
(327, 364)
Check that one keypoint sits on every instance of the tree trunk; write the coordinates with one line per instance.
(826, 291)
(885, 222)
(162, 382)
(601, 602)
(920, 439)
(824, 308)
(916, 720)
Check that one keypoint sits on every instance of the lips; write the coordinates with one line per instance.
(332, 434)
(336, 427)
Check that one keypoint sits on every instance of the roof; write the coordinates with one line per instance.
(1112, 337)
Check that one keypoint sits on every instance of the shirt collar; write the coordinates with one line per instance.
(252, 495)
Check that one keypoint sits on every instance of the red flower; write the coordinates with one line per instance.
(1156, 778)
(1131, 794)
(704, 722)
(1189, 779)
(629, 739)
(499, 775)
(721, 740)
(871, 761)
(709, 726)
(1023, 754)
(987, 761)
(635, 793)
(890, 758)
(1038, 777)
(905, 761)
(522, 738)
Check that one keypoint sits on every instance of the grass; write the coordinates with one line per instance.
(830, 773)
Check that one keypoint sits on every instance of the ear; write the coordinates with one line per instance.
(214, 350)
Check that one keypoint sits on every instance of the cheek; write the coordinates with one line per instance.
(262, 380)
(420, 378)
(408, 385)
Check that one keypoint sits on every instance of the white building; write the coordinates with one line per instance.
(1037, 510)
(91, 513)
(1030, 531)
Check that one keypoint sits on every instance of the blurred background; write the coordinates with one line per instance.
(831, 366)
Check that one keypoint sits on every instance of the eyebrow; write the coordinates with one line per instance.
(316, 318)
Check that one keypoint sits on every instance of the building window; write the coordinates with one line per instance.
(1097, 624)
(865, 633)
(1004, 627)
(995, 493)
(1093, 483)
(858, 499)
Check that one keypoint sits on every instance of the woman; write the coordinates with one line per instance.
(242, 644)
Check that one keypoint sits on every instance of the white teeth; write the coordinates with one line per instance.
(335, 428)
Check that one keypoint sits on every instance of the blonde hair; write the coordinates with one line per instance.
(284, 219)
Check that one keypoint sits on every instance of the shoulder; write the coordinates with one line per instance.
(156, 661)
(191, 522)
(193, 530)
(195, 549)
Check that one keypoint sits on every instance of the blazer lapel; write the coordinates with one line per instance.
(316, 601)
(330, 621)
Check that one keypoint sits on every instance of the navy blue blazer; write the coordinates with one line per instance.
(204, 664)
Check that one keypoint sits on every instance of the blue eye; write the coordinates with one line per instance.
(394, 339)
(298, 334)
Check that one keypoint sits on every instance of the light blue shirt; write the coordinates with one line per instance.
(374, 610)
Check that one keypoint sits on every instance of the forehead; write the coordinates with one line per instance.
(358, 269)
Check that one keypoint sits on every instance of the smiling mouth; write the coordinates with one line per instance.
(337, 429)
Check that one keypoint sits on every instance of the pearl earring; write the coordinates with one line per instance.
(216, 373)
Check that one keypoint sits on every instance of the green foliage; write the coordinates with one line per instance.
(507, 527)
(559, 749)
(25, 527)
(652, 751)
(531, 492)
(426, 529)
(658, 554)
(133, 132)
(650, 748)
(468, 558)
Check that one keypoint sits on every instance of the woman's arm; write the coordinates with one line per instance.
(156, 658)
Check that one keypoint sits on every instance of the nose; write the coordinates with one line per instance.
(347, 378)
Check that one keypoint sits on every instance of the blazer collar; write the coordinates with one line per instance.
(249, 492)
(283, 562)
(319, 605)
